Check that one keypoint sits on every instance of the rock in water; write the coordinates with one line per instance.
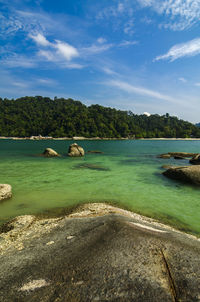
(75, 150)
(48, 152)
(189, 174)
(5, 191)
(195, 160)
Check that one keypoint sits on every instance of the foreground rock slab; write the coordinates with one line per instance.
(188, 174)
(5, 191)
(98, 253)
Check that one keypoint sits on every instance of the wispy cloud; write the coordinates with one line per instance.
(40, 39)
(57, 51)
(188, 49)
(182, 13)
(183, 80)
(15, 60)
(129, 88)
(119, 15)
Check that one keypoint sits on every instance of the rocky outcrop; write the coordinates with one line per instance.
(5, 191)
(75, 150)
(48, 152)
(98, 253)
(188, 174)
(195, 160)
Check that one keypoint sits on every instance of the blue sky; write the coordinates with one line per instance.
(139, 55)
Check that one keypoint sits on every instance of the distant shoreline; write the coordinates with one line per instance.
(94, 138)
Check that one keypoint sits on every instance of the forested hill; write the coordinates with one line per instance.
(29, 116)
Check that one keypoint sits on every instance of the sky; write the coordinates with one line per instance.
(138, 55)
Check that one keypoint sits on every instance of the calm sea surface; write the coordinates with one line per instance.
(128, 174)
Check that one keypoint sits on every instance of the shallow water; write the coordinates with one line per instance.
(128, 173)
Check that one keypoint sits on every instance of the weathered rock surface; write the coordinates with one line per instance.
(99, 253)
(195, 160)
(75, 150)
(189, 174)
(48, 152)
(5, 191)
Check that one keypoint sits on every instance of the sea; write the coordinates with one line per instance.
(127, 173)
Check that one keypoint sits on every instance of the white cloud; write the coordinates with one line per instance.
(188, 49)
(40, 39)
(128, 27)
(46, 81)
(66, 50)
(183, 80)
(15, 60)
(101, 40)
(197, 84)
(182, 13)
(128, 43)
(95, 48)
(129, 88)
(147, 114)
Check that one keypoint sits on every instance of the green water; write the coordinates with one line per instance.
(129, 175)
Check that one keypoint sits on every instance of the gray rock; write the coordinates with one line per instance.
(48, 152)
(75, 150)
(5, 191)
(195, 160)
(98, 254)
(189, 174)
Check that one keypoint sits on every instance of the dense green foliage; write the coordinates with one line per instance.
(29, 116)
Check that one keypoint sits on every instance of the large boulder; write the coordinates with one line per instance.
(195, 160)
(5, 191)
(75, 150)
(48, 152)
(189, 174)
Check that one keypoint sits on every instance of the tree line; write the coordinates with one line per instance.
(27, 116)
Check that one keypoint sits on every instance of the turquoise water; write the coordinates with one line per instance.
(128, 174)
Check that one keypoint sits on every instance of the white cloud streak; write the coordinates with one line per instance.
(124, 86)
(40, 39)
(188, 49)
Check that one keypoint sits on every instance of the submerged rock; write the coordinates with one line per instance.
(95, 152)
(92, 167)
(48, 152)
(195, 160)
(5, 191)
(189, 174)
(167, 156)
(178, 155)
(102, 254)
(75, 150)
